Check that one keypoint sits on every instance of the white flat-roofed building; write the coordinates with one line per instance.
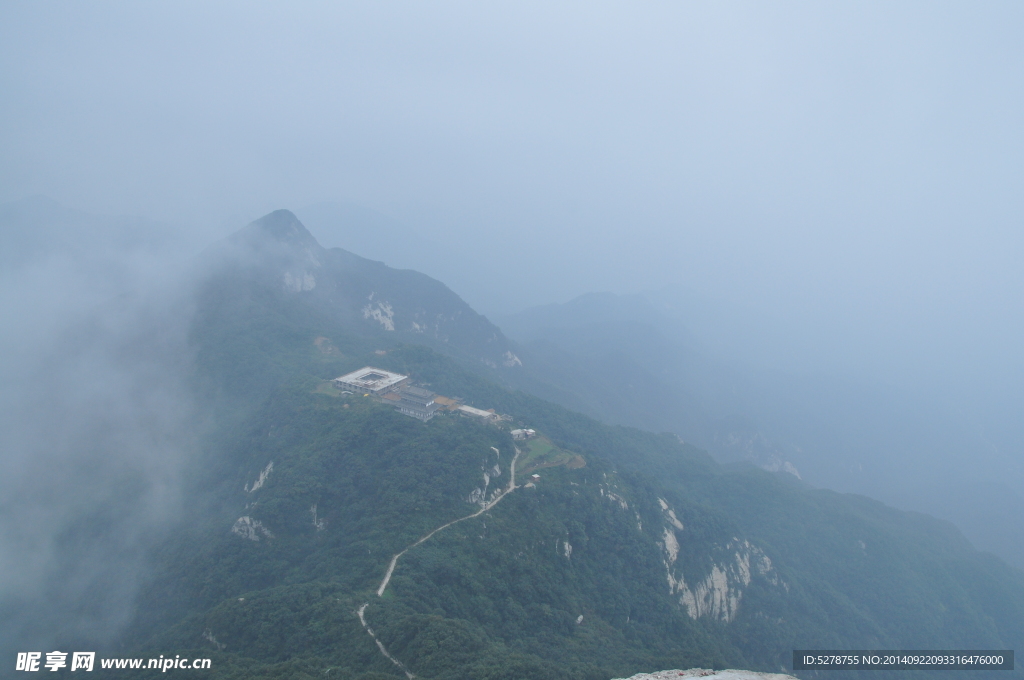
(371, 380)
(489, 416)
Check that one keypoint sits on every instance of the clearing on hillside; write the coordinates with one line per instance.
(540, 452)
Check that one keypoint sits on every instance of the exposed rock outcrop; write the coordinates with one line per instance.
(716, 593)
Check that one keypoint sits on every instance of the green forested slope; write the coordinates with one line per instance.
(497, 596)
(670, 559)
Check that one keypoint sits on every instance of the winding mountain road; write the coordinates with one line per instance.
(380, 645)
(394, 560)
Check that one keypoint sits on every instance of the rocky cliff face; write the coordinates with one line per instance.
(717, 593)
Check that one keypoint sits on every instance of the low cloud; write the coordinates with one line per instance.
(96, 426)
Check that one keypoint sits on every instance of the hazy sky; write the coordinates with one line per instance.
(839, 185)
(851, 172)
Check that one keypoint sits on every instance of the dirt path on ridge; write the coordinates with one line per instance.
(394, 560)
(511, 487)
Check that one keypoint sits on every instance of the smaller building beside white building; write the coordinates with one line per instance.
(488, 416)
(416, 402)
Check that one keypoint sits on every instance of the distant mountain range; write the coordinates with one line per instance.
(626, 360)
(325, 534)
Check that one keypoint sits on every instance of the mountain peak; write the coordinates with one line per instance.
(283, 226)
(278, 243)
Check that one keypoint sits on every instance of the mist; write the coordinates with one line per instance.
(820, 192)
(846, 172)
(97, 422)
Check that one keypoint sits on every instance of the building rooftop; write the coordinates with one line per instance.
(417, 392)
(446, 402)
(371, 379)
(479, 413)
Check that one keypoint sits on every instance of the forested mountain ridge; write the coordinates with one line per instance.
(648, 556)
(275, 273)
(632, 360)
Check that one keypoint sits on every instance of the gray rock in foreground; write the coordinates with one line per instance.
(731, 674)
